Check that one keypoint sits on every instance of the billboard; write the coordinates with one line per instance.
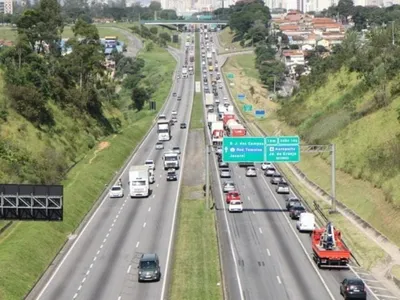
(31, 202)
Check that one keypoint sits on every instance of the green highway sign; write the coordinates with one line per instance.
(247, 107)
(243, 149)
(282, 149)
(230, 75)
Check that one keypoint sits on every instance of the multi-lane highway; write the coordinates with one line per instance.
(264, 257)
(102, 261)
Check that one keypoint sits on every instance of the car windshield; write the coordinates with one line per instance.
(170, 158)
(234, 195)
(175, 148)
(298, 207)
(116, 188)
(149, 163)
(148, 265)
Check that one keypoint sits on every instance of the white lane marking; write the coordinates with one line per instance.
(119, 298)
(299, 241)
(365, 274)
(84, 279)
(76, 295)
(91, 266)
(370, 280)
(98, 251)
(149, 208)
(158, 184)
(269, 253)
(144, 224)
(105, 240)
(80, 287)
(101, 246)
(279, 280)
(94, 258)
(160, 175)
(386, 296)
(164, 285)
(129, 269)
(154, 195)
(260, 230)
(137, 244)
(107, 235)
(378, 288)
(109, 230)
(248, 197)
(254, 212)
(87, 272)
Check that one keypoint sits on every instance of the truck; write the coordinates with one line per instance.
(164, 130)
(236, 130)
(209, 100)
(191, 56)
(329, 251)
(227, 117)
(209, 55)
(139, 185)
(217, 132)
(171, 160)
(184, 72)
(211, 118)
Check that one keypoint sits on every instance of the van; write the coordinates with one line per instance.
(306, 222)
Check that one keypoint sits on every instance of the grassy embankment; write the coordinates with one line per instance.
(26, 248)
(197, 112)
(367, 201)
(226, 41)
(196, 273)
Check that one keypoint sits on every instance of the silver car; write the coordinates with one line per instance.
(251, 172)
(159, 146)
(229, 186)
(225, 173)
(265, 166)
(270, 171)
(116, 192)
(283, 188)
(276, 178)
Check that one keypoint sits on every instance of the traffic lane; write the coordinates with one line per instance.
(331, 277)
(290, 262)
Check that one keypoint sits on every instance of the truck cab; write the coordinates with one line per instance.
(171, 160)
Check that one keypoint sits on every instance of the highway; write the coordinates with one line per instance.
(264, 257)
(102, 262)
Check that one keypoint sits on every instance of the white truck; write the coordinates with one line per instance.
(184, 72)
(209, 99)
(211, 118)
(139, 185)
(171, 160)
(209, 55)
(163, 130)
(217, 132)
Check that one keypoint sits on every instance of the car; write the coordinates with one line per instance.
(176, 150)
(235, 206)
(149, 267)
(251, 172)
(173, 94)
(174, 119)
(223, 164)
(217, 101)
(159, 146)
(265, 166)
(171, 175)
(306, 222)
(183, 125)
(152, 178)
(162, 117)
(296, 210)
(283, 188)
(229, 186)
(276, 178)
(178, 76)
(226, 103)
(174, 113)
(210, 109)
(150, 164)
(232, 195)
(219, 150)
(353, 288)
(292, 201)
(179, 98)
(116, 191)
(270, 171)
(225, 173)
(221, 87)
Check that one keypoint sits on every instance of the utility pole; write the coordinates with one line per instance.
(274, 84)
(333, 178)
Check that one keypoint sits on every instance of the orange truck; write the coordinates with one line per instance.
(329, 251)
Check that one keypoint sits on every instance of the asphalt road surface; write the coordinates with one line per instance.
(102, 264)
(264, 257)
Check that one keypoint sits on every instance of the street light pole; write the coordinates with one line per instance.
(393, 33)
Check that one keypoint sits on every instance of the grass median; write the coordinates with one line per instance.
(27, 248)
(246, 81)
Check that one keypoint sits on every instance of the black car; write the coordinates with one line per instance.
(291, 202)
(179, 98)
(353, 288)
(171, 175)
(174, 95)
(149, 268)
(295, 211)
(183, 125)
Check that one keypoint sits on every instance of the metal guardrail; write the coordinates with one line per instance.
(321, 217)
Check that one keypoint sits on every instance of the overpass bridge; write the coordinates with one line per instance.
(183, 22)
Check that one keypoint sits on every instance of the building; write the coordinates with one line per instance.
(6, 7)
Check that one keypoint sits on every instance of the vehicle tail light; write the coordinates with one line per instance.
(347, 289)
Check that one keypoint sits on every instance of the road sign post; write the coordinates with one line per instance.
(243, 149)
(247, 107)
(230, 76)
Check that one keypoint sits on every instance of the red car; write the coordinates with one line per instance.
(232, 196)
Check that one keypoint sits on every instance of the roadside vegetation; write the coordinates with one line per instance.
(61, 122)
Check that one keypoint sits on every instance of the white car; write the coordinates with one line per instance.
(229, 186)
(306, 222)
(174, 113)
(219, 150)
(174, 119)
(283, 188)
(176, 150)
(265, 166)
(226, 103)
(270, 171)
(225, 173)
(251, 172)
(159, 146)
(235, 206)
(116, 191)
(150, 164)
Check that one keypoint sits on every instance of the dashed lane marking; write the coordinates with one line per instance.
(269, 253)
(279, 280)
(260, 230)
(129, 269)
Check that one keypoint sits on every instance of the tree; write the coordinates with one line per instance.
(345, 9)
(149, 46)
(154, 30)
(165, 36)
(139, 96)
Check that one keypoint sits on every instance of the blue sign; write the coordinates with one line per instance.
(241, 97)
(259, 113)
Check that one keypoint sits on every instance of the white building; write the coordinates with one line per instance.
(6, 7)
